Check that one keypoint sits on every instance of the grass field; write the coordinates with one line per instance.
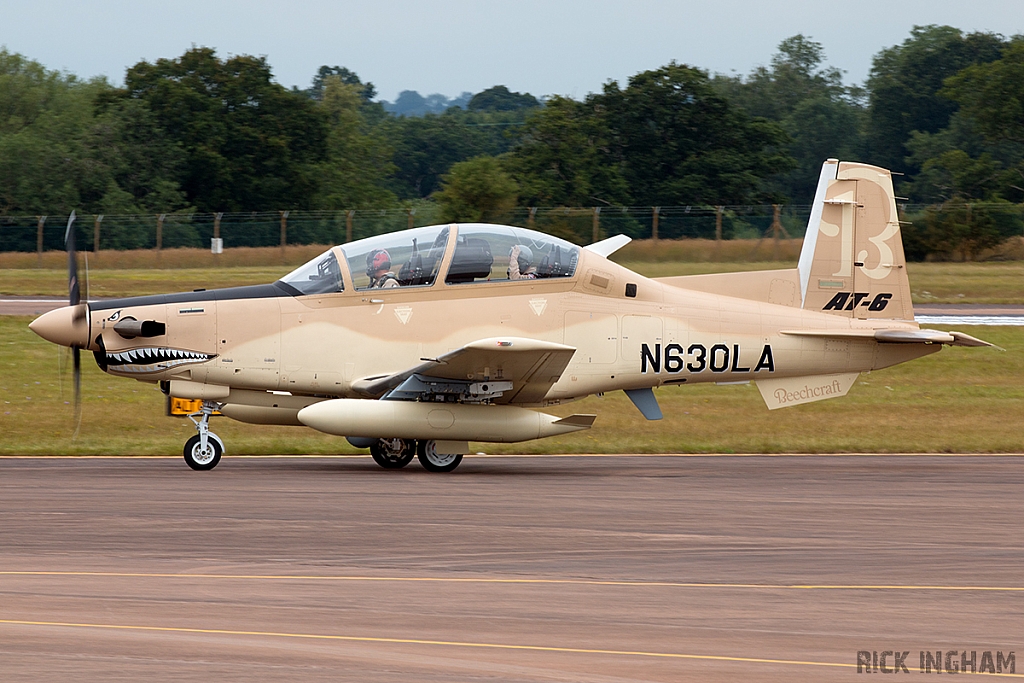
(116, 274)
(959, 400)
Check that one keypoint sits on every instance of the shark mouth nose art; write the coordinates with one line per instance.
(153, 359)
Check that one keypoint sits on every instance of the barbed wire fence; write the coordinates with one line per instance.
(582, 225)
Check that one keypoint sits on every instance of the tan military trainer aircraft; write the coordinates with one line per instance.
(420, 341)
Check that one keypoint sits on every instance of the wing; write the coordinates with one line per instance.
(517, 369)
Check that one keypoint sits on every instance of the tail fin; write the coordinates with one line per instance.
(852, 261)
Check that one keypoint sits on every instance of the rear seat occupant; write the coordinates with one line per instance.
(520, 261)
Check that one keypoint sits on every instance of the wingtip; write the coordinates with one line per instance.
(961, 339)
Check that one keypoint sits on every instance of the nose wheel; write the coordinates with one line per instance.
(199, 457)
(203, 451)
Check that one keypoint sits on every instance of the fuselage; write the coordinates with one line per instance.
(629, 332)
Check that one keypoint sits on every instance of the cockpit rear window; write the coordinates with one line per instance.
(498, 253)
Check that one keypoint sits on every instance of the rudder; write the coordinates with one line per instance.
(852, 262)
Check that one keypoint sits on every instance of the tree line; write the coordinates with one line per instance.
(201, 133)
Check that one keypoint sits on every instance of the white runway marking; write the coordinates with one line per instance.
(1011, 320)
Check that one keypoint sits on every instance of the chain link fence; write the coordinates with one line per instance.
(928, 228)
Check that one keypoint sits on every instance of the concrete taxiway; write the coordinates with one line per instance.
(632, 568)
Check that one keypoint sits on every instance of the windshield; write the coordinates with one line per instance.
(500, 253)
(409, 258)
(322, 275)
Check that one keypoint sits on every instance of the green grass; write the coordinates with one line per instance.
(959, 400)
(135, 281)
(978, 283)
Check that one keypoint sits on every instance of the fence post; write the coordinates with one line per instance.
(412, 212)
(39, 240)
(284, 231)
(776, 230)
(597, 225)
(531, 218)
(96, 234)
(349, 215)
(216, 235)
(967, 250)
(160, 233)
(718, 228)
(654, 224)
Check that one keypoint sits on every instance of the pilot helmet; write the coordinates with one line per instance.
(377, 259)
(525, 257)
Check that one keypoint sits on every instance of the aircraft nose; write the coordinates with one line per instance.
(67, 326)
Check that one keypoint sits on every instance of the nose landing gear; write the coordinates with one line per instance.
(203, 451)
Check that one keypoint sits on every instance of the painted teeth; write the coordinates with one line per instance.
(153, 360)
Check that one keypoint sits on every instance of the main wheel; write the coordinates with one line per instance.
(433, 461)
(199, 459)
(393, 454)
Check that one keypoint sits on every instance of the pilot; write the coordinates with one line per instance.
(519, 260)
(378, 267)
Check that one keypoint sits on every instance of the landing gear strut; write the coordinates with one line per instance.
(393, 454)
(203, 451)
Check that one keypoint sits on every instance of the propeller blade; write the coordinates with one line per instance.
(78, 378)
(69, 241)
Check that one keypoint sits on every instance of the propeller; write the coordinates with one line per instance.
(74, 300)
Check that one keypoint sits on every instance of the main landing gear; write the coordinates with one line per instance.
(393, 454)
(203, 451)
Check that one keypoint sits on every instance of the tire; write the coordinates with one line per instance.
(393, 454)
(197, 459)
(433, 461)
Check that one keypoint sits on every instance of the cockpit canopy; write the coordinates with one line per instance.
(322, 275)
(504, 253)
(412, 258)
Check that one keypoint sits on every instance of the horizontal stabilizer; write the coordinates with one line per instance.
(961, 339)
(914, 336)
(895, 336)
